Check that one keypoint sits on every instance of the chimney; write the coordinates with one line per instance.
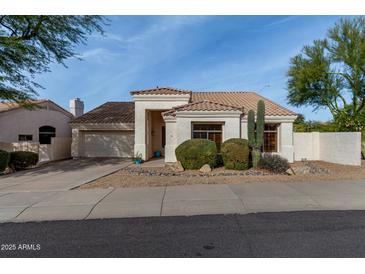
(76, 107)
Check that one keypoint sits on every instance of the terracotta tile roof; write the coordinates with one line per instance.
(245, 100)
(240, 99)
(108, 113)
(204, 105)
(162, 90)
(123, 112)
(6, 106)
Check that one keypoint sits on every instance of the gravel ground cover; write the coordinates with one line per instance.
(133, 176)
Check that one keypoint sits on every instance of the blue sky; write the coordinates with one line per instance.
(188, 52)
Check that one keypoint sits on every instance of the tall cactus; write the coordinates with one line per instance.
(256, 139)
(251, 128)
(260, 124)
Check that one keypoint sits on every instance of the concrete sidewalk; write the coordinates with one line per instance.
(181, 200)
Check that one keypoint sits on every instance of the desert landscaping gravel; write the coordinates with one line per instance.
(129, 177)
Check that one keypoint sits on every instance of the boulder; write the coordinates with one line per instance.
(205, 169)
(302, 170)
(177, 167)
(290, 171)
(8, 170)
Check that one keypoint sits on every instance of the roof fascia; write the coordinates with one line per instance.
(102, 126)
(161, 97)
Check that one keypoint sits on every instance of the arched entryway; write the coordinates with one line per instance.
(46, 133)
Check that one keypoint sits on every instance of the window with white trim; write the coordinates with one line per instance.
(211, 132)
(271, 138)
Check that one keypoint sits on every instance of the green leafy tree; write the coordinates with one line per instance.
(301, 125)
(300, 119)
(28, 44)
(330, 74)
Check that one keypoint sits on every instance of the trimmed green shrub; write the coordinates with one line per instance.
(235, 154)
(195, 153)
(274, 163)
(4, 159)
(22, 159)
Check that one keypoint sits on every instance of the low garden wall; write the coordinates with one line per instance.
(60, 148)
(334, 147)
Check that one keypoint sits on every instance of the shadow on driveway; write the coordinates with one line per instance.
(62, 175)
(65, 166)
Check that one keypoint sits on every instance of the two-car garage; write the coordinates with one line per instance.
(108, 143)
(106, 131)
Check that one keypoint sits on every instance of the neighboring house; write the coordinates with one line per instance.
(162, 118)
(44, 129)
(40, 124)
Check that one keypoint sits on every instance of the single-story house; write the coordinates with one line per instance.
(160, 119)
(43, 129)
(39, 124)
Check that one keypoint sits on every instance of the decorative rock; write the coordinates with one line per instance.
(8, 170)
(290, 171)
(177, 167)
(302, 170)
(205, 169)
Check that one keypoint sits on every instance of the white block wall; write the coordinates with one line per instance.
(334, 147)
(286, 148)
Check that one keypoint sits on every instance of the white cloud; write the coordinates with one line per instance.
(281, 21)
(161, 26)
(100, 55)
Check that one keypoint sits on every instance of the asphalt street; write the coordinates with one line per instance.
(290, 234)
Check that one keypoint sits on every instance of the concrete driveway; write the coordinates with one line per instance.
(60, 176)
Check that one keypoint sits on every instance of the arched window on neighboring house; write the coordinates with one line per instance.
(46, 133)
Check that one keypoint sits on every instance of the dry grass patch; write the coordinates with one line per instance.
(126, 178)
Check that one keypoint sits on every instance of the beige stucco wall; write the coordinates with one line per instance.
(286, 147)
(244, 134)
(143, 103)
(306, 146)
(171, 140)
(178, 129)
(231, 124)
(60, 148)
(20, 146)
(22, 121)
(334, 147)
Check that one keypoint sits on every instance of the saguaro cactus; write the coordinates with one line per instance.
(256, 138)
(260, 123)
(251, 128)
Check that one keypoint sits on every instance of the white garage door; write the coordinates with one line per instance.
(108, 143)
